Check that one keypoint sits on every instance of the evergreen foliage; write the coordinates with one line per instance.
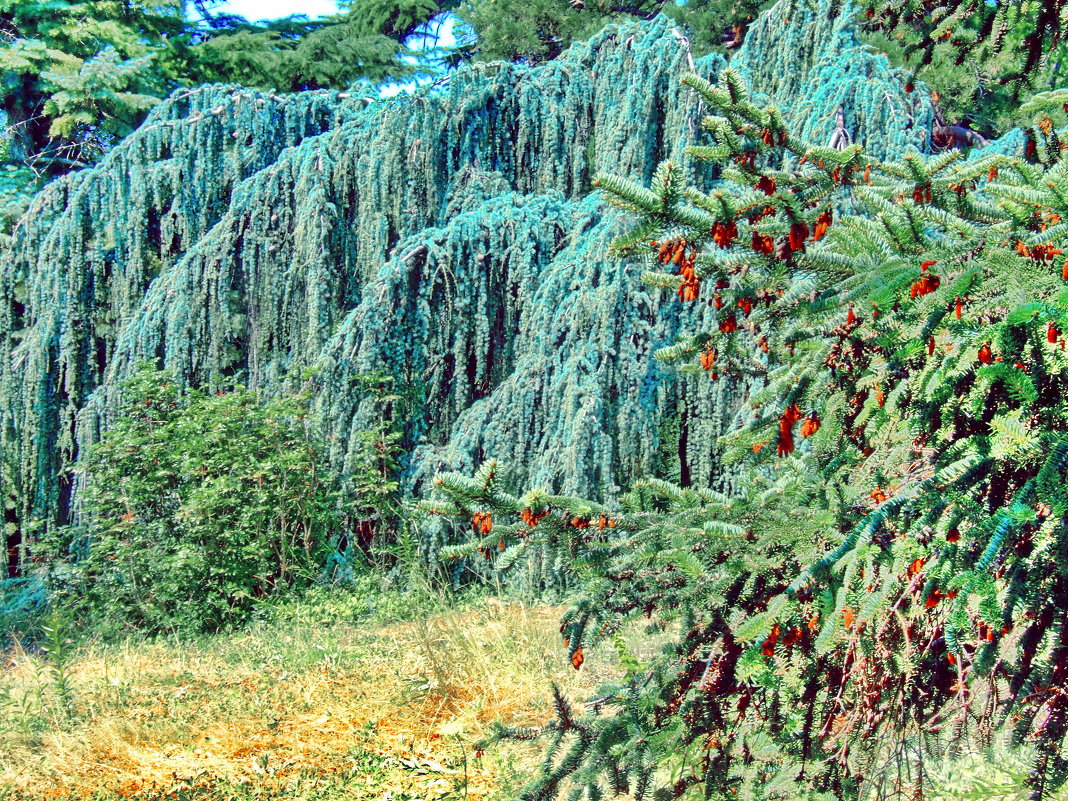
(715, 25)
(373, 42)
(23, 604)
(202, 240)
(242, 236)
(79, 76)
(76, 77)
(830, 68)
(843, 426)
(538, 31)
(965, 94)
(371, 492)
(898, 587)
(999, 50)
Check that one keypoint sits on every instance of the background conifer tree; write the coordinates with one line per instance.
(242, 236)
(1013, 44)
(77, 77)
(541, 30)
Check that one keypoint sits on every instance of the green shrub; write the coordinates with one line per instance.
(194, 506)
(368, 596)
(23, 605)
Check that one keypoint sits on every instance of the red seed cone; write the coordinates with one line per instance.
(663, 255)
(798, 235)
(823, 222)
(768, 646)
(926, 284)
(577, 659)
(688, 289)
(708, 358)
(724, 233)
(762, 243)
(785, 443)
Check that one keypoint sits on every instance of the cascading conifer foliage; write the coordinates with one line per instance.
(893, 586)
(449, 239)
(241, 235)
(808, 61)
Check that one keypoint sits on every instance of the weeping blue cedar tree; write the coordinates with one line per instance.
(243, 236)
(259, 234)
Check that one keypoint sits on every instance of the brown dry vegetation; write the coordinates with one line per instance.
(294, 708)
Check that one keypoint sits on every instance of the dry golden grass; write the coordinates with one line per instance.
(294, 710)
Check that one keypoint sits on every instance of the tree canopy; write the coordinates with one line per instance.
(76, 76)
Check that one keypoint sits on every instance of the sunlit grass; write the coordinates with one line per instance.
(305, 705)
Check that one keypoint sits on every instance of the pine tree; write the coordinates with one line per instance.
(77, 76)
(893, 582)
(73, 66)
(1007, 44)
(541, 30)
(371, 43)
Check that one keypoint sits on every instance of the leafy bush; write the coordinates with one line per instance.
(194, 506)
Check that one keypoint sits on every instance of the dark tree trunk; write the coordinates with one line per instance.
(13, 544)
(27, 126)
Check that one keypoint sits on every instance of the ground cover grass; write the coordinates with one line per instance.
(322, 699)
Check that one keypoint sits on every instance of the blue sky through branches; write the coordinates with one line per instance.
(273, 9)
(255, 10)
